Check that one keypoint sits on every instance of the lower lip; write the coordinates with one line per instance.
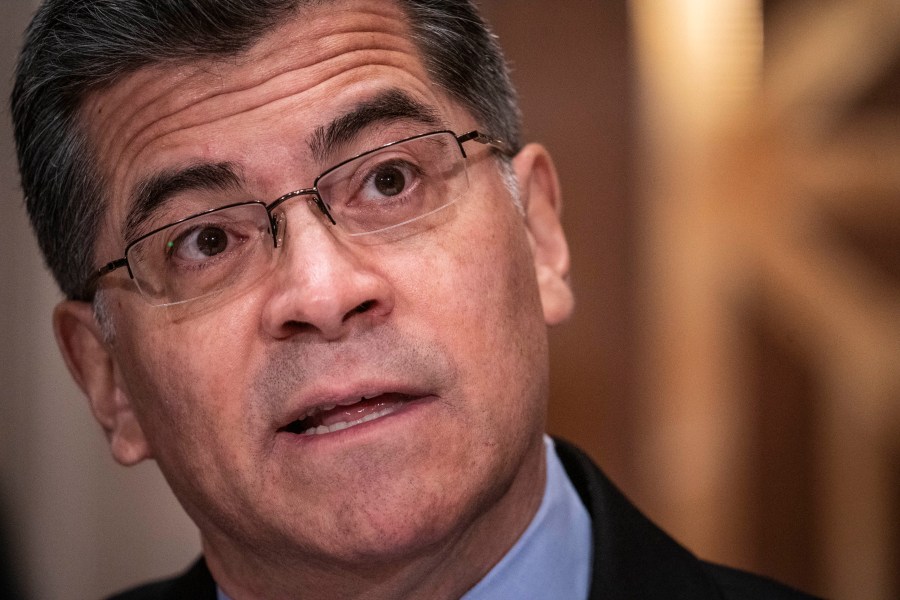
(398, 417)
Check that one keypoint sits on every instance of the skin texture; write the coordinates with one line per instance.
(417, 504)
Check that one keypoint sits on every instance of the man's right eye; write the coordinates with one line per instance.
(201, 243)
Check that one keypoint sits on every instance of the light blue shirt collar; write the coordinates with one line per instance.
(552, 558)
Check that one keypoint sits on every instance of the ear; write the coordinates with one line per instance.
(542, 202)
(93, 365)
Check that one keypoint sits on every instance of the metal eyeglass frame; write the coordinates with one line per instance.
(473, 135)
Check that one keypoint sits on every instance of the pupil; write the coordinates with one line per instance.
(390, 181)
(211, 241)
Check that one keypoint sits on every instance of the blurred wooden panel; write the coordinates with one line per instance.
(770, 281)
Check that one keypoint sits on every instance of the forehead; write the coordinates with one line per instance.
(255, 110)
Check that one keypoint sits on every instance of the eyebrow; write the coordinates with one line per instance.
(390, 105)
(158, 189)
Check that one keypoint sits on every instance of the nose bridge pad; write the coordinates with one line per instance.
(279, 218)
(279, 224)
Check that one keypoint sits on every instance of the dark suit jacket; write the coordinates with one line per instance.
(633, 558)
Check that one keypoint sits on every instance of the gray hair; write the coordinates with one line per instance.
(75, 47)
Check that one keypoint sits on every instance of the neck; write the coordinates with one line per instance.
(443, 570)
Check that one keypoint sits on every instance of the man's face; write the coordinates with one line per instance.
(442, 331)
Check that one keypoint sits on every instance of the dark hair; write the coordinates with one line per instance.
(75, 47)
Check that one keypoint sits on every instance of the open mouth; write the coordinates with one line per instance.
(328, 418)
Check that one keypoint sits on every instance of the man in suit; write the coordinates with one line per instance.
(309, 266)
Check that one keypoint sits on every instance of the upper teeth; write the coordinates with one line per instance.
(326, 407)
(317, 409)
(345, 424)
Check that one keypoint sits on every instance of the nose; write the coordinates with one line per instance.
(322, 286)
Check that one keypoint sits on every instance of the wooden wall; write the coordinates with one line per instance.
(732, 176)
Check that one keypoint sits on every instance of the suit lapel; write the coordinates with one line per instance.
(633, 558)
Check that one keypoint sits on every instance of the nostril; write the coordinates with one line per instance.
(361, 308)
(299, 327)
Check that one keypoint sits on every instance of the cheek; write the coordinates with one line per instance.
(478, 291)
(183, 378)
(489, 279)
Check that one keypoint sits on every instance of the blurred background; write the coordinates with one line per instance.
(731, 173)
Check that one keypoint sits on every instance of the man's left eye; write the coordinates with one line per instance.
(388, 180)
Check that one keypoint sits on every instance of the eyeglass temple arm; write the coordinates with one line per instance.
(109, 267)
(482, 138)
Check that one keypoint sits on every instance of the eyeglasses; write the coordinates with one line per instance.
(230, 247)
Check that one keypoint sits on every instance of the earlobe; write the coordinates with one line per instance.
(542, 203)
(93, 366)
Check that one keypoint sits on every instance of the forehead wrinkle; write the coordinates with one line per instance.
(382, 34)
(273, 45)
(109, 127)
(202, 112)
(376, 17)
(213, 104)
(267, 61)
